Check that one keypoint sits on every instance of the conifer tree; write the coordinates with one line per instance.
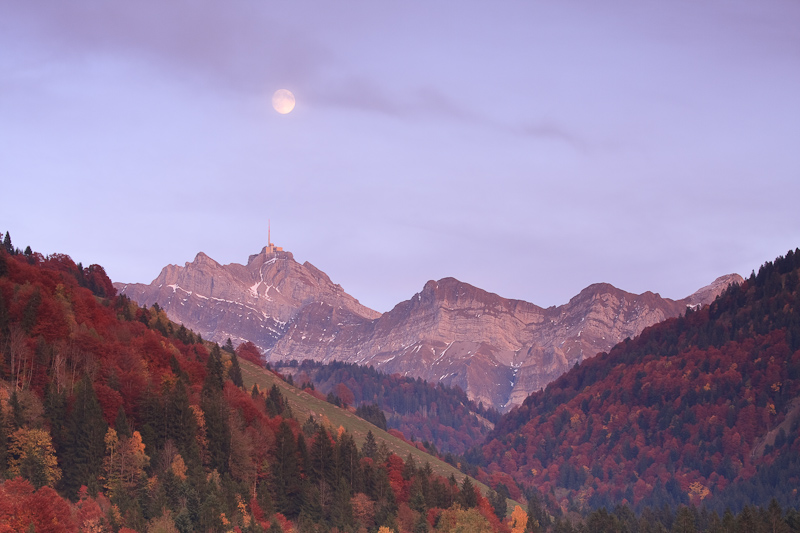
(370, 447)
(467, 496)
(83, 453)
(274, 402)
(121, 424)
(214, 373)
(235, 372)
(285, 473)
(7, 244)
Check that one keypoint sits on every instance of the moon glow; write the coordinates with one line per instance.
(283, 101)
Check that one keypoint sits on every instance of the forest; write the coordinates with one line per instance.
(701, 410)
(114, 419)
(441, 416)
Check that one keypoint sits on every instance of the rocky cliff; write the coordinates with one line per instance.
(498, 350)
(254, 302)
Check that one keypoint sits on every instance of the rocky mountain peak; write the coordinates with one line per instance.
(254, 302)
(498, 350)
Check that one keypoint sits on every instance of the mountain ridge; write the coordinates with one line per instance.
(496, 349)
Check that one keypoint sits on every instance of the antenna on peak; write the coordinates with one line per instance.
(271, 248)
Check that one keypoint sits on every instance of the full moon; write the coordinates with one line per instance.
(283, 101)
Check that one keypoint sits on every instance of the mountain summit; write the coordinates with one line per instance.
(254, 302)
(498, 350)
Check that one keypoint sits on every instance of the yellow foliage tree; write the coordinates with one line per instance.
(519, 520)
(33, 457)
(178, 467)
(124, 462)
(458, 520)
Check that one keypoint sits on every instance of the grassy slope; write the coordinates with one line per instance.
(304, 404)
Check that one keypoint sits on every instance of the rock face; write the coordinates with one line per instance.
(254, 302)
(497, 350)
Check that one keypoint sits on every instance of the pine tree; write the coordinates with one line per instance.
(370, 447)
(684, 521)
(467, 496)
(218, 432)
(82, 457)
(121, 424)
(235, 372)
(285, 473)
(274, 402)
(55, 411)
(214, 372)
(321, 457)
(229, 346)
(7, 244)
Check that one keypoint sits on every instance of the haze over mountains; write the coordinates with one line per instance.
(498, 350)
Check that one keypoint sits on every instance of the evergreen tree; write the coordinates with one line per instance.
(7, 244)
(235, 372)
(274, 402)
(417, 500)
(82, 457)
(684, 521)
(229, 346)
(498, 503)
(218, 432)
(121, 424)
(348, 462)
(341, 513)
(370, 447)
(17, 411)
(467, 496)
(215, 411)
(55, 411)
(285, 473)
(214, 372)
(321, 457)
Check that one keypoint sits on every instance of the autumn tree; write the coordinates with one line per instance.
(519, 520)
(33, 457)
(124, 463)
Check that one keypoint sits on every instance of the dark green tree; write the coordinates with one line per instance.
(498, 503)
(214, 372)
(285, 473)
(467, 497)
(82, 457)
(684, 521)
(228, 347)
(17, 410)
(121, 425)
(235, 371)
(370, 447)
(7, 244)
(274, 402)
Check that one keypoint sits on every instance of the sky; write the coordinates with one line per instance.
(529, 148)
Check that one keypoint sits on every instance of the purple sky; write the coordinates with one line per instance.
(528, 148)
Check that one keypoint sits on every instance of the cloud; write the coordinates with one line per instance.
(233, 44)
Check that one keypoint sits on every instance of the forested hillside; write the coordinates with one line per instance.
(114, 419)
(437, 414)
(701, 409)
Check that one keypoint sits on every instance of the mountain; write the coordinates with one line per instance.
(112, 418)
(699, 409)
(496, 349)
(252, 302)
